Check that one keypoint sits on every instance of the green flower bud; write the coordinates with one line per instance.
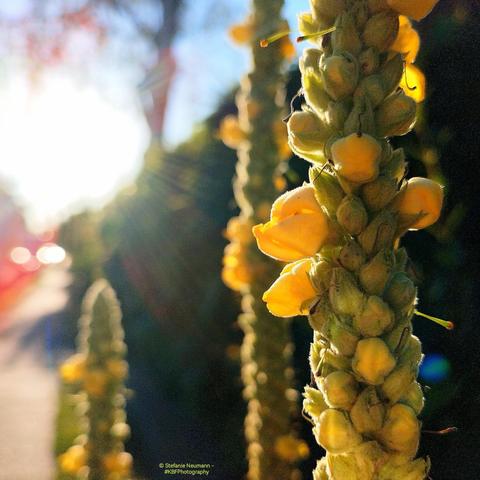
(380, 233)
(372, 361)
(320, 315)
(313, 90)
(398, 382)
(396, 338)
(375, 318)
(368, 412)
(320, 472)
(391, 73)
(396, 115)
(315, 357)
(396, 167)
(369, 61)
(335, 360)
(313, 403)
(346, 37)
(401, 430)
(307, 135)
(321, 274)
(343, 339)
(327, 189)
(340, 390)
(372, 87)
(345, 296)
(413, 397)
(412, 470)
(360, 13)
(412, 352)
(335, 433)
(327, 8)
(381, 30)
(400, 292)
(361, 117)
(374, 275)
(352, 256)
(351, 215)
(337, 114)
(340, 75)
(379, 193)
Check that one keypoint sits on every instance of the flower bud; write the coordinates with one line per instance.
(320, 314)
(340, 390)
(352, 256)
(327, 8)
(315, 95)
(419, 204)
(307, 136)
(375, 6)
(373, 88)
(343, 339)
(335, 433)
(396, 338)
(416, 9)
(408, 41)
(369, 61)
(372, 361)
(379, 193)
(401, 430)
(412, 352)
(396, 167)
(356, 157)
(298, 226)
(340, 75)
(321, 274)
(412, 470)
(392, 72)
(396, 115)
(337, 114)
(398, 382)
(345, 37)
(374, 275)
(292, 293)
(351, 215)
(335, 360)
(400, 292)
(368, 412)
(345, 296)
(381, 30)
(413, 83)
(361, 119)
(379, 233)
(375, 318)
(327, 190)
(413, 397)
(313, 403)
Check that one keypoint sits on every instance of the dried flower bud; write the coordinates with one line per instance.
(396, 115)
(401, 430)
(368, 412)
(356, 157)
(340, 75)
(381, 30)
(313, 403)
(413, 397)
(307, 136)
(379, 193)
(375, 318)
(328, 8)
(340, 390)
(416, 9)
(400, 292)
(379, 233)
(351, 215)
(345, 296)
(374, 275)
(352, 256)
(335, 433)
(346, 37)
(327, 190)
(372, 361)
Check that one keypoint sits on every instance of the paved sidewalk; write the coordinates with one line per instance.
(28, 384)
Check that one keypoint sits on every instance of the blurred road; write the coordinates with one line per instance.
(28, 384)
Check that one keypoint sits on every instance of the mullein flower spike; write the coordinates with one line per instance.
(342, 233)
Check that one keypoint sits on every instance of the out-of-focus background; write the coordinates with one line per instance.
(110, 164)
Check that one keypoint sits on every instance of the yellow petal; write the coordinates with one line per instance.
(413, 83)
(293, 202)
(291, 289)
(407, 41)
(416, 9)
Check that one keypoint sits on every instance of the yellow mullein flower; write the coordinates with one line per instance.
(118, 462)
(416, 9)
(230, 132)
(408, 40)
(73, 459)
(291, 292)
(422, 201)
(73, 369)
(241, 33)
(291, 449)
(298, 226)
(236, 272)
(413, 82)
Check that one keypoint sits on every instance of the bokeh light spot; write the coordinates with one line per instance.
(435, 368)
(20, 255)
(50, 253)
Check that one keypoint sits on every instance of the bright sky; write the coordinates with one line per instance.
(67, 145)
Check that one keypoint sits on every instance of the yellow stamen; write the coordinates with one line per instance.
(444, 323)
(316, 34)
(264, 43)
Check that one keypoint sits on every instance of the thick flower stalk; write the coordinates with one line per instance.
(260, 138)
(98, 371)
(341, 232)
